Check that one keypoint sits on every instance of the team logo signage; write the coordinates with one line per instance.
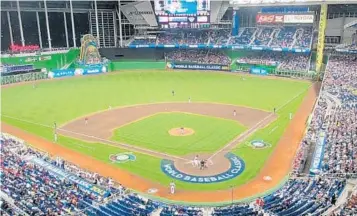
(236, 168)
(122, 157)
(259, 144)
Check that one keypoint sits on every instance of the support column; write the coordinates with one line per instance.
(342, 32)
(96, 21)
(48, 27)
(39, 30)
(120, 25)
(20, 23)
(65, 28)
(90, 23)
(10, 28)
(103, 33)
(321, 38)
(115, 30)
(73, 27)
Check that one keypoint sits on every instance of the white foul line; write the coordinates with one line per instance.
(107, 142)
(253, 129)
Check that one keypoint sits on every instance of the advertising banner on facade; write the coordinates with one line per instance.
(284, 18)
(235, 21)
(269, 19)
(299, 18)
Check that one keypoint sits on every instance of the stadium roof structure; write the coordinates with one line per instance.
(248, 3)
(59, 6)
(350, 25)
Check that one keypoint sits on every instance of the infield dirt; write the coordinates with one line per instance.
(277, 167)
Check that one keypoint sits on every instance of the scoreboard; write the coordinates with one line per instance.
(183, 13)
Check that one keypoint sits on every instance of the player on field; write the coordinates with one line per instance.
(196, 161)
(182, 130)
(172, 187)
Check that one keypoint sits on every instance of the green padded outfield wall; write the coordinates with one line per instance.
(234, 54)
(121, 65)
(51, 61)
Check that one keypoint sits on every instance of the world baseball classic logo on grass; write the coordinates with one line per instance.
(236, 168)
(259, 144)
(122, 157)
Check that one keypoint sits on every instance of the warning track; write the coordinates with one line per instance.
(277, 166)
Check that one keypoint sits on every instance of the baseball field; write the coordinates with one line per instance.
(140, 127)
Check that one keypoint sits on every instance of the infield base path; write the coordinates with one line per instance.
(100, 126)
(277, 166)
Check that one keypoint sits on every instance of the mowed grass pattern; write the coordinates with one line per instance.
(152, 132)
(64, 100)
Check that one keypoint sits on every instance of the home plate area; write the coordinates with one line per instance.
(201, 169)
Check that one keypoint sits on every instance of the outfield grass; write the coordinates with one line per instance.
(65, 100)
(210, 133)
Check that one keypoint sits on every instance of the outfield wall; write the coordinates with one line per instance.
(50, 61)
(152, 54)
(139, 64)
(147, 58)
(121, 54)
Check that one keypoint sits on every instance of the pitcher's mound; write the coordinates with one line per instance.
(181, 131)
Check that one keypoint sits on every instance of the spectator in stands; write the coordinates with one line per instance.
(33, 188)
(283, 61)
(199, 56)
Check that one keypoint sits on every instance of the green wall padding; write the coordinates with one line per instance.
(137, 65)
(39, 61)
(234, 54)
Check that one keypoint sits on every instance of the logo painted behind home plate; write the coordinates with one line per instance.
(122, 157)
(237, 166)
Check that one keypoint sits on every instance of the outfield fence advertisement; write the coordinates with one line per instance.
(191, 66)
(88, 70)
(258, 71)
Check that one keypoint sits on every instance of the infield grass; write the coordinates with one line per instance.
(210, 133)
(64, 100)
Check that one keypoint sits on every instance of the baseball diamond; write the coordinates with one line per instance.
(221, 120)
(178, 108)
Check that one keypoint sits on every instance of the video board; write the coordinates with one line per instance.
(182, 13)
